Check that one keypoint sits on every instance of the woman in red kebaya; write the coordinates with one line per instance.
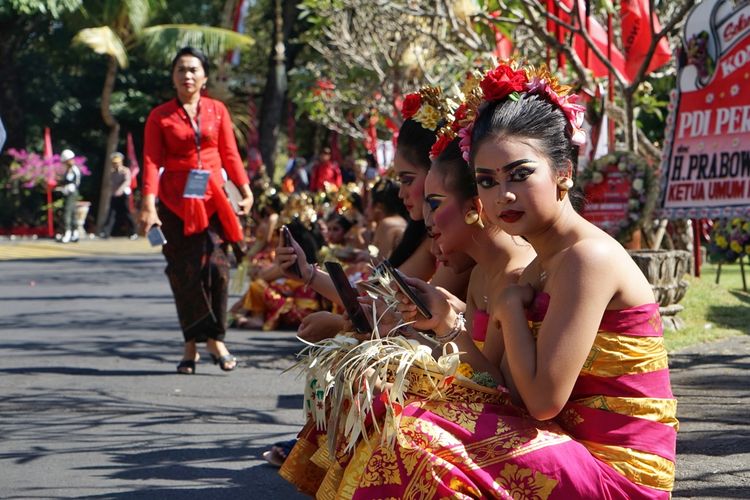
(191, 138)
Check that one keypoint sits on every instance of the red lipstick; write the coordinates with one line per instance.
(510, 215)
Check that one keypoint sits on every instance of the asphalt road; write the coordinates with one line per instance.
(91, 406)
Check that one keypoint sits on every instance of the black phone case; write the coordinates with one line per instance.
(407, 290)
(288, 243)
(349, 297)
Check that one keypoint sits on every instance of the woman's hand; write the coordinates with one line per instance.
(388, 319)
(148, 216)
(287, 256)
(246, 203)
(320, 325)
(437, 301)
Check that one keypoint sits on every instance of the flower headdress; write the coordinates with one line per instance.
(507, 81)
(470, 97)
(429, 107)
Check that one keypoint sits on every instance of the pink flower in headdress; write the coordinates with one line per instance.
(465, 142)
(573, 112)
(538, 85)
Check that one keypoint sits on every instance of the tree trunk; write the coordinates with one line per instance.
(112, 140)
(274, 94)
(630, 124)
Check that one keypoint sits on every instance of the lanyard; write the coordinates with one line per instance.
(196, 125)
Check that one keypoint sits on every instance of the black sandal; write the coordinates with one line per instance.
(224, 361)
(186, 367)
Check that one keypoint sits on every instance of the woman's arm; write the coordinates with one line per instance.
(315, 278)
(544, 371)
(153, 158)
(446, 324)
(231, 160)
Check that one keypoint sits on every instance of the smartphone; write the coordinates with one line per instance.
(287, 235)
(348, 295)
(407, 290)
(234, 196)
(156, 236)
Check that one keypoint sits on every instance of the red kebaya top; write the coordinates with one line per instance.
(169, 142)
(323, 172)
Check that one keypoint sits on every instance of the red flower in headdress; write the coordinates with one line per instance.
(412, 103)
(501, 82)
(460, 116)
(439, 146)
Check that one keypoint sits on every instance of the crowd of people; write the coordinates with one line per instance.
(479, 215)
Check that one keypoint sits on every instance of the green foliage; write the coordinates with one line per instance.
(52, 85)
(51, 8)
(712, 311)
(651, 102)
(162, 41)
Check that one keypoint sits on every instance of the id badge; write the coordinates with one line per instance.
(196, 184)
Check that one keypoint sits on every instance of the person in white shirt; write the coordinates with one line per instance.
(69, 188)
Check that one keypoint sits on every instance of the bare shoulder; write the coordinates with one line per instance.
(392, 222)
(606, 265)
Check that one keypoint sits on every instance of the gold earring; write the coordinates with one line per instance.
(472, 217)
(564, 184)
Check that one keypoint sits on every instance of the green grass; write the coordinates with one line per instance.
(712, 311)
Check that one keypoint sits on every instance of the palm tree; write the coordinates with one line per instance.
(120, 26)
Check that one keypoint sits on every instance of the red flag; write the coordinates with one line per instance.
(503, 45)
(371, 134)
(598, 35)
(47, 144)
(51, 182)
(238, 25)
(133, 161)
(636, 38)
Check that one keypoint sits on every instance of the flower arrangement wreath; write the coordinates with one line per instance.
(644, 189)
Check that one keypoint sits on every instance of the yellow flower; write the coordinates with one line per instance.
(465, 369)
(428, 117)
(746, 227)
(735, 246)
(721, 241)
(747, 249)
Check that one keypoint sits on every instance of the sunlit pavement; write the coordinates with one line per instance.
(14, 248)
(91, 405)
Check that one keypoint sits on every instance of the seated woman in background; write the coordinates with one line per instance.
(581, 336)
(273, 300)
(388, 214)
